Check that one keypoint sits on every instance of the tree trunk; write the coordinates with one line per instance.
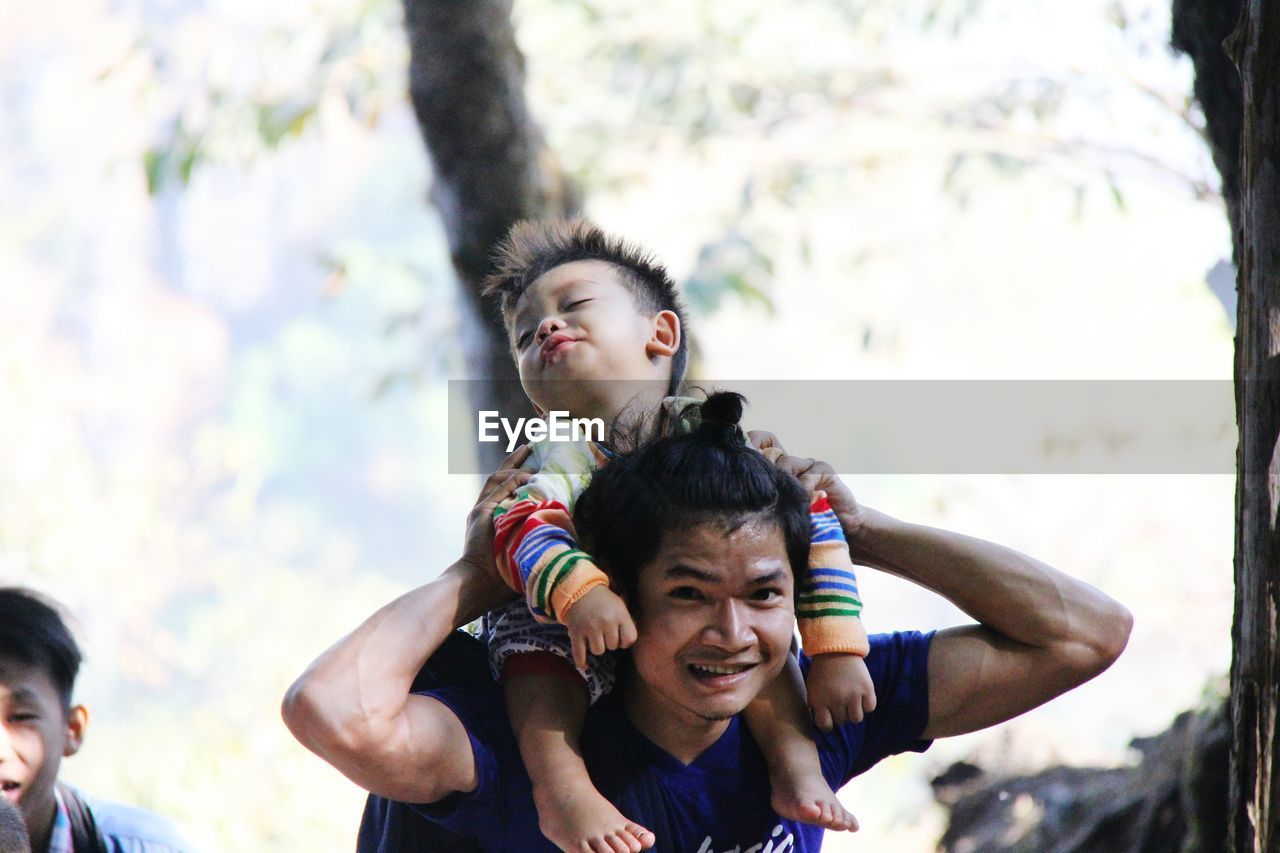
(1255, 678)
(1175, 799)
(491, 165)
(1199, 29)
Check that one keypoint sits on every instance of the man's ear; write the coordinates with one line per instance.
(664, 340)
(77, 723)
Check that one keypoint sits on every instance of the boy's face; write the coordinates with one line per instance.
(35, 733)
(578, 323)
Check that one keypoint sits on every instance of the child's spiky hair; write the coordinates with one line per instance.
(534, 247)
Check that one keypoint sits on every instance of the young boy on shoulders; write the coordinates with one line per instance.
(597, 330)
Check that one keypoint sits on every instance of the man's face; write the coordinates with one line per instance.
(579, 323)
(35, 733)
(714, 614)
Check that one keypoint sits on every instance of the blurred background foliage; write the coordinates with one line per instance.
(227, 315)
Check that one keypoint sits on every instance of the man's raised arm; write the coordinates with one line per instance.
(352, 705)
(1040, 632)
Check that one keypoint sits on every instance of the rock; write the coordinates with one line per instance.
(1175, 798)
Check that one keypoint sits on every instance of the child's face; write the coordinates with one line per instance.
(579, 322)
(35, 733)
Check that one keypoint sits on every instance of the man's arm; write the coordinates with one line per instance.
(1040, 632)
(352, 705)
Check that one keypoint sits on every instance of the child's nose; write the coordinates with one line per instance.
(548, 327)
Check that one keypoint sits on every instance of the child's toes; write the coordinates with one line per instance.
(605, 844)
(628, 842)
(643, 837)
(809, 812)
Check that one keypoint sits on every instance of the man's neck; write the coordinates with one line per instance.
(676, 730)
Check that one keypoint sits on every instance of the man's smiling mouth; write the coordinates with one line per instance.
(9, 789)
(720, 670)
(719, 675)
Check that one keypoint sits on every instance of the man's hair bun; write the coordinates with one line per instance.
(720, 414)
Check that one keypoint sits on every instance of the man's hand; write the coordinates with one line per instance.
(477, 549)
(598, 622)
(817, 477)
(840, 690)
(766, 442)
(352, 706)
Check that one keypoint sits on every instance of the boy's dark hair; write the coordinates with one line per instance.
(33, 631)
(707, 474)
(535, 247)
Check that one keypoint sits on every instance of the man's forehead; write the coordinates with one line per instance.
(751, 551)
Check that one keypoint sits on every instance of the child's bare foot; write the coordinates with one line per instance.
(806, 797)
(578, 819)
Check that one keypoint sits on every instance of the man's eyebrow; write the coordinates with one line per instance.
(682, 571)
(775, 576)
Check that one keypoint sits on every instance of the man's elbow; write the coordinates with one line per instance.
(316, 723)
(1103, 641)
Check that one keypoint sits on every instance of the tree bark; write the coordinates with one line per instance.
(491, 164)
(1199, 29)
(1255, 665)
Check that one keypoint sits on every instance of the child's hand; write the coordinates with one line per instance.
(597, 622)
(840, 690)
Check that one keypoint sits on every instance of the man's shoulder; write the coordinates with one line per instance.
(129, 828)
(898, 664)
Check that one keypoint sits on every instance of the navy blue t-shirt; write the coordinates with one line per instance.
(719, 802)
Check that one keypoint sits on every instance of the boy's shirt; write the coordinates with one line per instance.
(124, 828)
(535, 546)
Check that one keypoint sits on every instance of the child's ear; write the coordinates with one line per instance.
(664, 340)
(77, 722)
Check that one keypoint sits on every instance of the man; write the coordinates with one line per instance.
(39, 725)
(703, 539)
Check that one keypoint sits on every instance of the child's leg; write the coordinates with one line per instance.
(547, 711)
(547, 703)
(779, 721)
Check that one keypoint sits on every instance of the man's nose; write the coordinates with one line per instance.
(730, 627)
(6, 743)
